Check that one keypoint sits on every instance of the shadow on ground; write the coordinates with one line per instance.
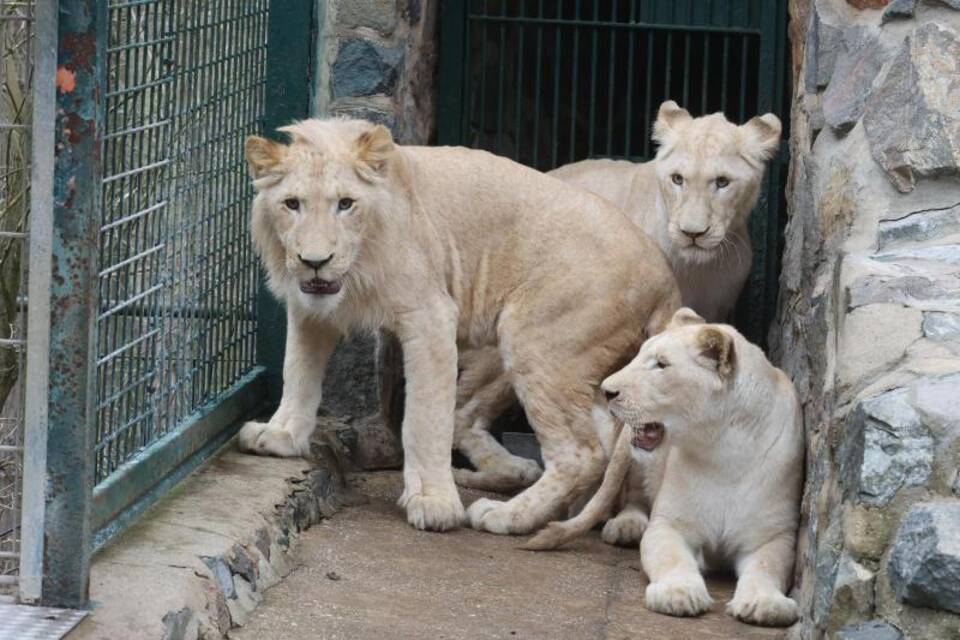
(367, 575)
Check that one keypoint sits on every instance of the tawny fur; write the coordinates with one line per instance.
(725, 482)
(451, 249)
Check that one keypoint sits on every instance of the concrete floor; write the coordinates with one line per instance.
(367, 575)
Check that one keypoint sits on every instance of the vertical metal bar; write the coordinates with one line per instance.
(536, 89)
(453, 19)
(647, 123)
(483, 76)
(501, 64)
(556, 96)
(288, 98)
(610, 79)
(631, 43)
(743, 78)
(686, 70)
(593, 81)
(73, 300)
(726, 66)
(668, 75)
(704, 78)
(519, 95)
(37, 381)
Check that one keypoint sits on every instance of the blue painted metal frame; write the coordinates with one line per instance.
(81, 45)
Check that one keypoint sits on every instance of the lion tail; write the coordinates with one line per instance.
(599, 506)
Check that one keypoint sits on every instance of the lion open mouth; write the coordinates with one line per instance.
(316, 286)
(647, 436)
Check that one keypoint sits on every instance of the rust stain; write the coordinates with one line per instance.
(66, 80)
(80, 49)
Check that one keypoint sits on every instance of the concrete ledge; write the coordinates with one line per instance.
(198, 562)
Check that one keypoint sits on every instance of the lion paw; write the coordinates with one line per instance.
(770, 609)
(626, 528)
(678, 597)
(440, 512)
(491, 515)
(269, 439)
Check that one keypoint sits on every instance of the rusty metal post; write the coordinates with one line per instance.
(81, 38)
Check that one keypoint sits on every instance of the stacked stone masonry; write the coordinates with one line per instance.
(869, 314)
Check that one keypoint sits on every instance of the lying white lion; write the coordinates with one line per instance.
(694, 200)
(717, 434)
(451, 248)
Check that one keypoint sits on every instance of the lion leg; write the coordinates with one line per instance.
(627, 527)
(428, 339)
(496, 468)
(676, 587)
(763, 577)
(573, 458)
(287, 434)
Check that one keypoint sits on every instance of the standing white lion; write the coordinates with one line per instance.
(451, 248)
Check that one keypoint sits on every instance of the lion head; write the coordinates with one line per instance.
(709, 172)
(680, 382)
(318, 200)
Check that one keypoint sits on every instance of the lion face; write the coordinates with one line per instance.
(675, 383)
(709, 172)
(317, 199)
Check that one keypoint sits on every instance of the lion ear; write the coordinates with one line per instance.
(262, 155)
(670, 118)
(717, 346)
(761, 138)
(683, 317)
(373, 149)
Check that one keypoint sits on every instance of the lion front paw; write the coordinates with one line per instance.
(770, 609)
(678, 597)
(626, 528)
(435, 512)
(270, 439)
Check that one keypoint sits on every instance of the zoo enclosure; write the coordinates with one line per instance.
(147, 337)
(548, 83)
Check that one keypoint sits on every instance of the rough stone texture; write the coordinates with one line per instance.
(872, 630)
(925, 561)
(868, 4)
(868, 325)
(349, 388)
(846, 94)
(363, 68)
(912, 119)
(200, 560)
(380, 15)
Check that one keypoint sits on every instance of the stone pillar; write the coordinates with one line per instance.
(376, 61)
(869, 314)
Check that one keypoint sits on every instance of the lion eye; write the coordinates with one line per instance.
(722, 182)
(677, 179)
(661, 364)
(345, 204)
(292, 203)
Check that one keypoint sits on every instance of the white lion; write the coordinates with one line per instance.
(694, 200)
(451, 248)
(717, 434)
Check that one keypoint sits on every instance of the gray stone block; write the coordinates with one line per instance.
(924, 565)
(363, 112)
(871, 630)
(851, 81)
(921, 226)
(899, 10)
(364, 68)
(886, 446)
(911, 120)
(941, 326)
(350, 383)
(380, 15)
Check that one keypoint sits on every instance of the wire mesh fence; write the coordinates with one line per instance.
(16, 46)
(178, 281)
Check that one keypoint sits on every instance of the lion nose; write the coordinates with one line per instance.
(610, 395)
(694, 234)
(315, 263)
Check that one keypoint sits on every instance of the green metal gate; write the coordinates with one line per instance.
(548, 83)
(156, 308)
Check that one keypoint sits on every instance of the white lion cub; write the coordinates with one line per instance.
(693, 199)
(716, 431)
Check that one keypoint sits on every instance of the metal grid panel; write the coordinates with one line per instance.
(185, 85)
(16, 48)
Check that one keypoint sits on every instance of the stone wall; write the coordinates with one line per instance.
(869, 315)
(376, 61)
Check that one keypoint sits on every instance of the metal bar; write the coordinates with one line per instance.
(135, 477)
(537, 91)
(610, 82)
(649, 96)
(573, 91)
(501, 63)
(631, 45)
(519, 95)
(591, 133)
(73, 301)
(651, 26)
